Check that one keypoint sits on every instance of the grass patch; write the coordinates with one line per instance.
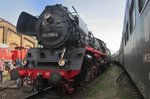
(122, 95)
(105, 86)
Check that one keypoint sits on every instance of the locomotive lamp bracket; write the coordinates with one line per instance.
(62, 61)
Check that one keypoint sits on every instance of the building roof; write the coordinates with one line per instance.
(3, 20)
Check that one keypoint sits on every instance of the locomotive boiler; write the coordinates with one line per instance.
(68, 55)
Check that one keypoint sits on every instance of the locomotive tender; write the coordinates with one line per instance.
(134, 53)
(69, 55)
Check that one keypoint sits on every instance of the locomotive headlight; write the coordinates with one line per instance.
(47, 15)
(61, 62)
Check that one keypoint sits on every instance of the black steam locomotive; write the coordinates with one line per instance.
(69, 53)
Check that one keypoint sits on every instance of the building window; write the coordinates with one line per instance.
(141, 4)
(132, 17)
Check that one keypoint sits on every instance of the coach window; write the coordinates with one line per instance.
(132, 17)
(141, 4)
(127, 33)
(125, 38)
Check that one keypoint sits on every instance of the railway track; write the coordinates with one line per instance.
(92, 89)
(45, 94)
(36, 94)
(7, 85)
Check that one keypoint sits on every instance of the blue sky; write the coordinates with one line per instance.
(11, 9)
(103, 17)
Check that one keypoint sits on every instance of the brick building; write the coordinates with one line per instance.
(9, 36)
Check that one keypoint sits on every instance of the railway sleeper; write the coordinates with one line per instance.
(121, 77)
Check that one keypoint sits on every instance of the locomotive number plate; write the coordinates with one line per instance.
(50, 35)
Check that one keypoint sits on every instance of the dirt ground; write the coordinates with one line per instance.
(106, 87)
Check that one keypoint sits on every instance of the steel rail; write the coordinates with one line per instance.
(31, 96)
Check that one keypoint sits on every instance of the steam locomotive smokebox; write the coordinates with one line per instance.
(54, 27)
